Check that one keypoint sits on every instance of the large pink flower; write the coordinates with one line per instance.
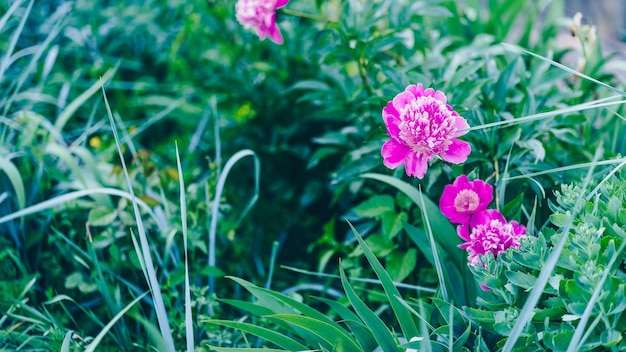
(490, 232)
(261, 16)
(463, 198)
(421, 125)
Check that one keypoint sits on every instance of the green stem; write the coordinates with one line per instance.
(304, 15)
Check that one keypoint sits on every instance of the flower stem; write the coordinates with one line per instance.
(304, 15)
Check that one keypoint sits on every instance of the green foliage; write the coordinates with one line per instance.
(80, 223)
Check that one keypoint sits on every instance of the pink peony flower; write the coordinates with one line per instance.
(421, 125)
(490, 232)
(463, 198)
(261, 15)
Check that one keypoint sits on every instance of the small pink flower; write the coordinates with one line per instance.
(421, 125)
(463, 198)
(490, 232)
(261, 15)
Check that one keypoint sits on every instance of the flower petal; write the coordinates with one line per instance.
(457, 152)
(416, 164)
(400, 100)
(274, 34)
(394, 153)
(281, 3)
(462, 127)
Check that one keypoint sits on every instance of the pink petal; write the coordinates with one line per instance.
(274, 34)
(416, 165)
(281, 3)
(416, 90)
(461, 126)
(457, 152)
(391, 122)
(394, 153)
(262, 33)
(439, 95)
(400, 100)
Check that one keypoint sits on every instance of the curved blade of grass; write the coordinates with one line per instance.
(145, 254)
(330, 333)
(5, 17)
(183, 221)
(435, 252)
(371, 281)
(96, 341)
(534, 117)
(274, 337)
(218, 195)
(379, 330)
(567, 168)
(564, 68)
(4, 64)
(71, 108)
(56, 201)
(404, 318)
(535, 294)
(277, 301)
(67, 340)
(360, 332)
(16, 180)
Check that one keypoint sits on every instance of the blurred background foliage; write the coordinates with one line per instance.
(186, 72)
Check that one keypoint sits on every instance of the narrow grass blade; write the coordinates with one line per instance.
(564, 68)
(153, 282)
(96, 341)
(558, 170)
(379, 330)
(71, 108)
(60, 200)
(274, 337)
(10, 11)
(535, 117)
(371, 281)
(67, 340)
(218, 195)
(360, 331)
(404, 318)
(4, 64)
(183, 222)
(330, 333)
(435, 252)
(16, 180)
(279, 303)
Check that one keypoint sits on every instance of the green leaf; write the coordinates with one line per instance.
(330, 333)
(280, 303)
(266, 334)
(404, 318)
(560, 220)
(400, 263)
(16, 180)
(521, 279)
(375, 206)
(101, 216)
(392, 223)
(379, 330)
